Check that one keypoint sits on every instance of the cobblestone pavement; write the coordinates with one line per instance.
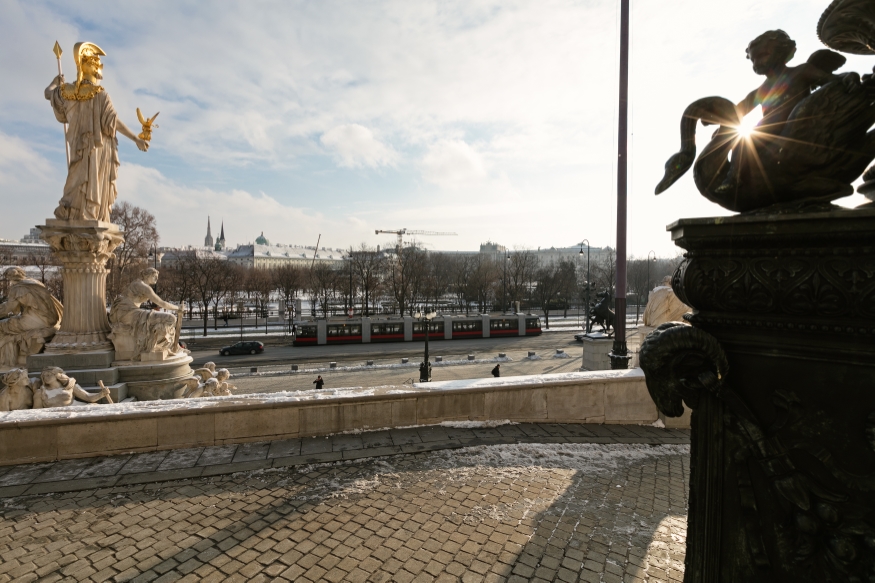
(521, 511)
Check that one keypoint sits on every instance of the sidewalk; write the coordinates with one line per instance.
(512, 503)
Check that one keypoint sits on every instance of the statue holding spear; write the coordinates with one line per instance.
(91, 124)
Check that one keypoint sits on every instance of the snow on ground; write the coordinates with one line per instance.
(531, 380)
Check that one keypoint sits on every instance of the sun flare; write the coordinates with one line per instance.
(748, 124)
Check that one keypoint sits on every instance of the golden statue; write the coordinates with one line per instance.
(90, 190)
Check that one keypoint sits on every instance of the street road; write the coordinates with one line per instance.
(544, 344)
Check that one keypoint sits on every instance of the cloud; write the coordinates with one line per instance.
(355, 146)
(498, 106)
(453, 164)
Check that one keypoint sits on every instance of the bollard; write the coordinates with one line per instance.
(560, 351)
(532, 353)
(253, 369)
(294, 367)
(404, 360)
(332, 365)
(470, 357)
(438, 358)
(502, 355)
(370, 363)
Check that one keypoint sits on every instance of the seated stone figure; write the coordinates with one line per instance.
(138, 334)
(28, 319)
(664, 306)
(17, 392)
(56, 389)
(225, 388)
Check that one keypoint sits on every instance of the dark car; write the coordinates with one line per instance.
(245, 347)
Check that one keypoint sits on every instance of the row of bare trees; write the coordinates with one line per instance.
(368, 281)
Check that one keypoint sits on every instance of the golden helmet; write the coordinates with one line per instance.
(82, 51)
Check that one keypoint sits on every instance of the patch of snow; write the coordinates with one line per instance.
(477, 424)
(562, 355)
(595, 375)
(658, 423)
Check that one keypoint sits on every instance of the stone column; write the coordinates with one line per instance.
(82, 248)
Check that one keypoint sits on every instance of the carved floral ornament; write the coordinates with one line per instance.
(772, 284)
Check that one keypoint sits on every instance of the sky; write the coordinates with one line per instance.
(496, 120)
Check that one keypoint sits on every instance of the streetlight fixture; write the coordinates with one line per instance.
(588, 326)
(425, 367)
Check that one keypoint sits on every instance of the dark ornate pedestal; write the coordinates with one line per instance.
(779, 369)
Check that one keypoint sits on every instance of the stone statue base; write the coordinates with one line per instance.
(82, 248)
(779, 369)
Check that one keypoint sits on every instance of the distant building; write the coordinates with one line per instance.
(262, 254)
(28, 248)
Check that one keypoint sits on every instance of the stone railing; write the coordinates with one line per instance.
(583, 397)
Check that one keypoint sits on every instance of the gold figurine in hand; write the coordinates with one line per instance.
(147, 125)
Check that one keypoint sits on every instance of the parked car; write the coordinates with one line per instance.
(245, 347)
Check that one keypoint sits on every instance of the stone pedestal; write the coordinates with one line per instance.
(596, 348)
(779, 369)
(82, 248)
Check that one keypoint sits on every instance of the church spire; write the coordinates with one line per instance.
(208, 240)
(220, 242)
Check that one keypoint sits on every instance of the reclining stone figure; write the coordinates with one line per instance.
(28, 319)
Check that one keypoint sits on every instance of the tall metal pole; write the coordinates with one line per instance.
(504, 299)
(620, 354)
(588, 287)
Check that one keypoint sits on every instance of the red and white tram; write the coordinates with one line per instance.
(407, 329)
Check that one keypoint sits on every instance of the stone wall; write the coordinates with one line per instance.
(585, 397)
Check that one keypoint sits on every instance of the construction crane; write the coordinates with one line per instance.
(401, 232)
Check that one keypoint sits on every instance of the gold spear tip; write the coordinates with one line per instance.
(57, 50)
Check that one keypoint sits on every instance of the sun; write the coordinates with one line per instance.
(748, 124)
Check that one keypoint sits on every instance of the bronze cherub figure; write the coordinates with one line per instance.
(812, 142)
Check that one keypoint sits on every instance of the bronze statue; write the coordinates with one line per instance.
(812, 142)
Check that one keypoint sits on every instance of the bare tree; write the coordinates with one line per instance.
(604, 272)
(548, 283)
(43, 262)
(406, 277)
(520, 274)
(229, 283)
(369, 266)
(567, 273)
(130, 257)
(288, 280)
(438, 278)
(205, 274)
(323, 287)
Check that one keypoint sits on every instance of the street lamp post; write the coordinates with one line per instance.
(506, 261)
(425, 367)
(153, 252)
(587, 324)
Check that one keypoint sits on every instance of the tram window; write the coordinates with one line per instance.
(419, 327)
(503, 325)
(467, 326)
(533, 323)
(306, 331)
(386, 329)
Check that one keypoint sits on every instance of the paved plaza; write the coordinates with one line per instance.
(527, 502)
